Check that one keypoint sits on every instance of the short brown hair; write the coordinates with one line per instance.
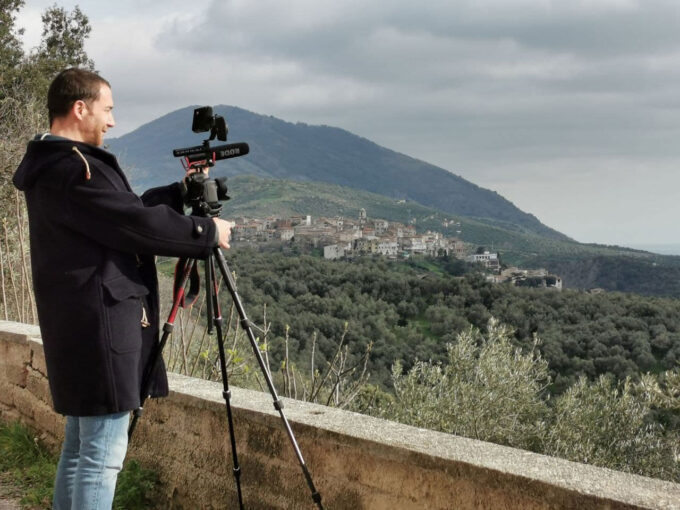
(69, 86)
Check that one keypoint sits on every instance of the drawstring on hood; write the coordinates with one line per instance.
(88, 175)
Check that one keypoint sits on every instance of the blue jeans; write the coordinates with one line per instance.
(91, 458)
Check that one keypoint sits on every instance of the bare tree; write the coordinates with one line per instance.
(24, 79)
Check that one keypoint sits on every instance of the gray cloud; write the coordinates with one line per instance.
(570, 109)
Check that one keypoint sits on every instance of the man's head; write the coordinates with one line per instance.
(80, 105)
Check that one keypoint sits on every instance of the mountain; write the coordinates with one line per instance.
(321, 170)
(301, 152)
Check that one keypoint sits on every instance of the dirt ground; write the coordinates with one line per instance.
(9, 495)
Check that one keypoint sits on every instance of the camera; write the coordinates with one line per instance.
(205, 195)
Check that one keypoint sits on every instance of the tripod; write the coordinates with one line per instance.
(184, 270)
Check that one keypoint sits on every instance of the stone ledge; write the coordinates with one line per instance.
(399, 441)
(18, 332)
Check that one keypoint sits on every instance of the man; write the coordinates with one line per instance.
(93, 243)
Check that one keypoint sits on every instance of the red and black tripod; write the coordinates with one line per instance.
(185, 268)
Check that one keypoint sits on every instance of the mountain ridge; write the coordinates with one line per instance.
(302, 152)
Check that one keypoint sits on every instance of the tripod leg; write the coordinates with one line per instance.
(154, 357)
(215, 315)
(278, 403)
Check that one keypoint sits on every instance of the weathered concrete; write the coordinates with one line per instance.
(356, 462)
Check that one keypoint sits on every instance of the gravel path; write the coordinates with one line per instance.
(7, 499)
(9, 504)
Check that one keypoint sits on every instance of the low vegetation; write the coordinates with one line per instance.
(427, 350)
(30, 466)
(405, 312)
(489, 390)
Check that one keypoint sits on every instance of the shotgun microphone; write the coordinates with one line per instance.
(200, 152)
(230, 150)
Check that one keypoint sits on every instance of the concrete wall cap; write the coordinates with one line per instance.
(18, 332)
(582, 478)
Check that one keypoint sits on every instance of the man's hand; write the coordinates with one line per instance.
(224, 230)
(199, 166)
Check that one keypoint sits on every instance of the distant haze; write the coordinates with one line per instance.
(662, 249)
(571, 110)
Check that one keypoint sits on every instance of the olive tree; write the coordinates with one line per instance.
(609, 424)
(487, 389)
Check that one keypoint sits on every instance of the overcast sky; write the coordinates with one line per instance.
(570, 109)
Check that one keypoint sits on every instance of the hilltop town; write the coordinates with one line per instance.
(342, 237)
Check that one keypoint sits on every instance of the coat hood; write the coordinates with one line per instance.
(41, 155)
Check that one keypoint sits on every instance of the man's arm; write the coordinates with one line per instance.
(120, 220)
(173, 195)
(170, 195)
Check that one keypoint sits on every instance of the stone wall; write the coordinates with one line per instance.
(356, 462)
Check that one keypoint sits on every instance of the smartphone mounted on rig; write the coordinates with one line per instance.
(204, 120)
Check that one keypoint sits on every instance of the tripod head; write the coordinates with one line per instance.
(205, 195)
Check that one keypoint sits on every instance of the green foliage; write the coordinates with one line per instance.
(11, 51)
(31, 466)
(63, 37)
(491, 382)
(62, 45)
(333, 381)
(136, 488)
(487, 389)
(409, 313)
(24, 80)
(664, 390)
(19, 447)
(371, 400)
(24, 77)
(608, 424)
(610, 268)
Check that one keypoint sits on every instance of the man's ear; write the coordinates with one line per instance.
(79, 108)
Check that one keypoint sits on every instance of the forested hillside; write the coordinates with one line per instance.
(410, 313)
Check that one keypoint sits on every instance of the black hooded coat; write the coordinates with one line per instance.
(93, 243)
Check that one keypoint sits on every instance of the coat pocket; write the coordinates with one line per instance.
(124, 310)
(122, 288)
